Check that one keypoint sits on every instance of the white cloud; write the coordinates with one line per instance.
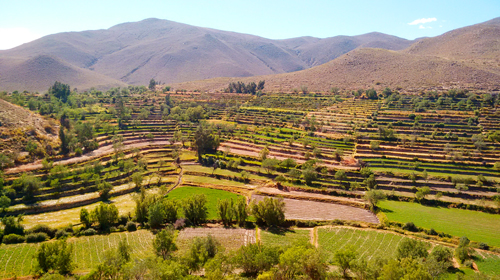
(13, 37)
(421, 27)
(422, 20)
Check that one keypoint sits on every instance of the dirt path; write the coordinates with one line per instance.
(94, 154)
(179, 180)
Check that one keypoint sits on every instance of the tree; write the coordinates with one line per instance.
(28, 184)
(260, 86)
(60, 91)
(240, 211)
(104, 189)
(345, 259)
(200, 251)
(263, 153)
(85, 134)
(12, 225)
(341, 176)
(310, 175)
(411, 248)
(225, 211)
(371, 94)
(374, 145)
(370, 182)
(156, 214)
(4, 201)
(64, 141)
(164, 243)
(422, 192)
(205, 140)
(374, 196)
(299, 261)
(254, 258)
(270, 211)
(85, 218)
(171, 209)
(270, 164)
(463, 252)
(105, 215)
(137, 179)
(152, 84)
(288, 163)
(195, 209)
(55, 255)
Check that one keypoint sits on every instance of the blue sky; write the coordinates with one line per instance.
(24, 20)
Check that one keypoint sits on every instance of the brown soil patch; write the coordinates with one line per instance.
(230, 238)
(312, 210)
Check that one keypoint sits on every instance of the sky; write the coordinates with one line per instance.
(22, 21)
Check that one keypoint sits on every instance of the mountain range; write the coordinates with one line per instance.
(192, 57)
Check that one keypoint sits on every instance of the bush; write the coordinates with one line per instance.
(484, 246)
(410, 227)
(89, 232)
(270, 211)
(37, 237)
(13, 239)
(51, 232)
(131, 226)
(121, 228)
(61, 233)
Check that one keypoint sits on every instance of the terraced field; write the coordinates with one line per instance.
(367, 243)
(477, 226)
(20, 259)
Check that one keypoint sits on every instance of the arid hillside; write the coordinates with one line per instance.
(169, 52)
(468, 58)
(20, 126)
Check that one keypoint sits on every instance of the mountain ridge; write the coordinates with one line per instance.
(168, 51)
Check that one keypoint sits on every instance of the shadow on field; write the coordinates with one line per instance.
(280, 231)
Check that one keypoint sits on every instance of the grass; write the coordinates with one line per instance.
(367, 243)
(284, 238)
(125, 204)
(209, 180)
(477, 226)
(489, 265)
(211, 194)
(88, 251)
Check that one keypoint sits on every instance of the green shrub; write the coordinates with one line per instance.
(61, 233)
(89, 232)
(13, 239)
(37, 237)
(131, 226)
(51, 232)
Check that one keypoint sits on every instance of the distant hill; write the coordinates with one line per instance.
(169, 52)
(468, 57)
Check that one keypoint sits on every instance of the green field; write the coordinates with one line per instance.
(477, 226)
(285, 238)
(368, 243)
(489, 265)
(212, 196)
(88, 251)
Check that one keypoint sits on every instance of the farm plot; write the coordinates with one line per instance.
(367, 243)
(477, 226)
(285, 238)
(488, 263)
(89, 251)
(20, 259)
(296, 209)
(229, 238)
(212, 196)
